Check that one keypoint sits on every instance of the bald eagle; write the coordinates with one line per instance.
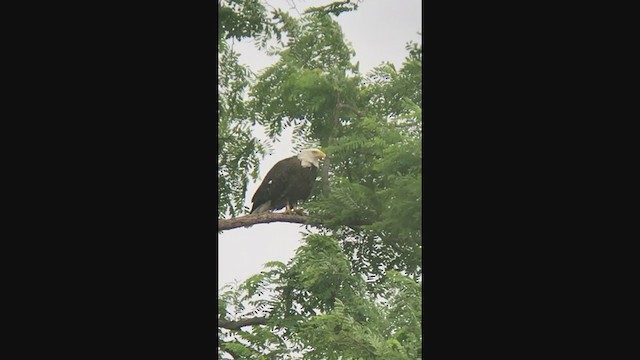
(289, 181)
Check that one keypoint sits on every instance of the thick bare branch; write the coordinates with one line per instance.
(236, 325)
(262, 218)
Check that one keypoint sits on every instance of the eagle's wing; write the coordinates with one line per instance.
(275, 184)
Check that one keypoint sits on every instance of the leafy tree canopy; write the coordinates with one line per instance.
(354, 288)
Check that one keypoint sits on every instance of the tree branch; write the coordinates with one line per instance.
(262, 218)
(268, 217)
(236, 325)
(347, 106)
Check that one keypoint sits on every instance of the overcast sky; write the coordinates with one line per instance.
(378, 31)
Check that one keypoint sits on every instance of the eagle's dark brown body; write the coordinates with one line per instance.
(285, 184)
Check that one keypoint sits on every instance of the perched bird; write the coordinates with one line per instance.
(289, 181)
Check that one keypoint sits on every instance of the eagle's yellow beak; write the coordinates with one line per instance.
(321, 155)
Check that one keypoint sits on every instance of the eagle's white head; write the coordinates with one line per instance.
(310, 157)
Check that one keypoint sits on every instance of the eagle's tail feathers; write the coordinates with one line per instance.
(262, 208)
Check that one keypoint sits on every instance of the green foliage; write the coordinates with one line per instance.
(353, 290)
(239, 350)
(376, 191)
(335, 8)
(388, 91)
(320, 307)
(238, 150)
(319, 274)
(303, 88)
(240, 18)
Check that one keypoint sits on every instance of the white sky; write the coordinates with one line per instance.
(378, 31)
